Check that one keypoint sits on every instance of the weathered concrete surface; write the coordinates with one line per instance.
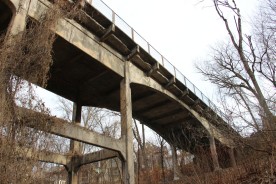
(67, 160)
(44, 156)
(96, 157)
(69, 130)
(214, 153)
(95, 64)
(75, 148)
(126, 128)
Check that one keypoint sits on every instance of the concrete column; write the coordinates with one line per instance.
(74, 146)
(232, 157)
(214, 153)
(175, 164)
(72, 177)
(126, 127)
(19, 19)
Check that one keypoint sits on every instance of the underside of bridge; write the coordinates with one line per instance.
(85, 80)
(79, 78)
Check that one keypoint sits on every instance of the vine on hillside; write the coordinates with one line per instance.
(25, 58)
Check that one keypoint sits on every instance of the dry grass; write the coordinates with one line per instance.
(252, 171)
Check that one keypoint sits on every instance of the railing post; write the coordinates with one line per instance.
(185, 81)
(132, 34)
(113, 17)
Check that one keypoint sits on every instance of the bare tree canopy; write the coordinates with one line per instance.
(244, 66)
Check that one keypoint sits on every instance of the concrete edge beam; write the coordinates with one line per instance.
(81, 38)
(69, 130)
(97, 156)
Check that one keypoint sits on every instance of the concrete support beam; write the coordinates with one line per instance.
(133, 53)
(196, 103)
(155, 68)
(126, 127)
(184, 93)
(76, 119)
(214, 154)
(176, 171)
(69, 162)
(43, 156)
(108, 32)
(75, 148)
(97, 156)
(69, 130)
(171, 82)
(72, 170)
(232, 157)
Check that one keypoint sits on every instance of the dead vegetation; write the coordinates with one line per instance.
(28, 56)
(25, 58)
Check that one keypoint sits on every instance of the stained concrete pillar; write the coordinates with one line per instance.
(126, 127)
(214, 153)
(176, 170)
(74, 147)
(232, 157)
(72, 176)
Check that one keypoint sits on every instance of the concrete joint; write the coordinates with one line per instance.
(108, 32)
(171, 82)
(154, 68)
(184, 93)
(133, 53)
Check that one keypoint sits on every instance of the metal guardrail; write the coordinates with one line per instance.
(138, 39)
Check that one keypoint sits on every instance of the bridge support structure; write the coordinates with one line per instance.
(123, 147)
(176, 170)
(75, 147)
(214, 154)
(126, 126)
(232, 157)
(114, 148)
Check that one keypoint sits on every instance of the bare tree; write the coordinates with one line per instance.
(141, 145)
(243, 66)
(244, 69)
(161, 144)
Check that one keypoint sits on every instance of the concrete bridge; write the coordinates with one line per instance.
(100, 61)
